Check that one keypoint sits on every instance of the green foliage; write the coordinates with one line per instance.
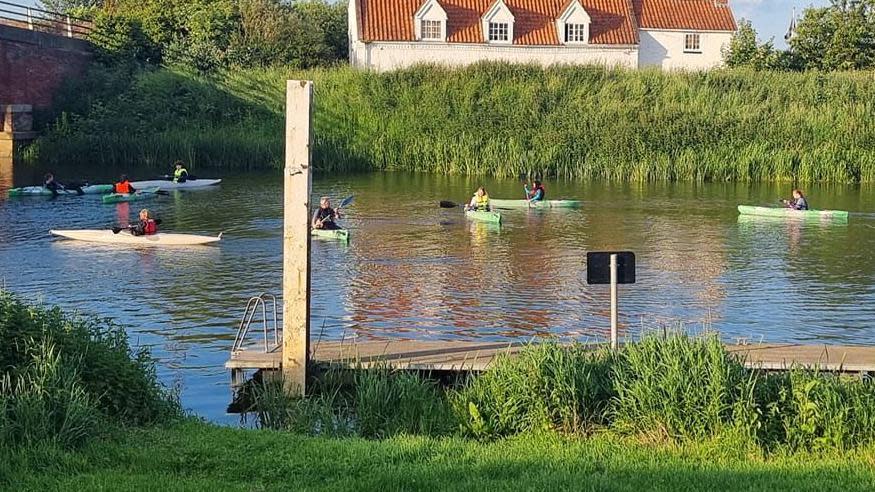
(120, 40)
(677, 388)
(496, 119)
(120, 381)
(744, 51)
(547, 387)
(837, 37)
(45, 402)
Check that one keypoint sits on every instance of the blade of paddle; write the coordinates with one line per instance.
(449, 204)
(346, 201)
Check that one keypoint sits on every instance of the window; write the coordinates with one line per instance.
(498, 31)
(691, 44)
(575, 33)
(431, 29)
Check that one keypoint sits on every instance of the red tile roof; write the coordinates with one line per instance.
(698, 15)
(392, 20)
(614, 22)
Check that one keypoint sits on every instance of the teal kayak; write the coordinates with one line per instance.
(790, 213)
(130, 197)
(43, 191)
(339, 234)
(491, 217)
(499, 203)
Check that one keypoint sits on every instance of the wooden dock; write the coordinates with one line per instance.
(477, 356)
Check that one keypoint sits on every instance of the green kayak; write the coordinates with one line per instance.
(339, 234)
(499, 203)
(43, 191)
(130, 197)
(492, 217)
(790, 213)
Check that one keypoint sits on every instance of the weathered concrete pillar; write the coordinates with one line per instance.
(16, 127)
(297, 183)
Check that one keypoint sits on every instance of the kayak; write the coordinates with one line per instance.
(790, 213)
(43, 191)
(341, 234)
(166, 184)
(125, 237)
(499, 203)
(493, 217)
(130, 197)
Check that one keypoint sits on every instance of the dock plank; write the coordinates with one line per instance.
(477, 356)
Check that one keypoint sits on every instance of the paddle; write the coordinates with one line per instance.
(449, 204)
(117, 229)
(343, 203)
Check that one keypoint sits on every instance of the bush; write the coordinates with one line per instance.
(76, 362)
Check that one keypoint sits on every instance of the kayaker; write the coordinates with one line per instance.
(123, 186)
(480, 201)
(180, 174)
(54, 186)
(537, 193)
(798, 202)
(324, 216)
(146, 226)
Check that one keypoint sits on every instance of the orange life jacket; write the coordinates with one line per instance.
(123, 187)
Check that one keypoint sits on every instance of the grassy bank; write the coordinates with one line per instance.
(490, 119)
(197, 456)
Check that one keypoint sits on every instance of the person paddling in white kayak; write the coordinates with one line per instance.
(324, 216)
(146, 226)
(180, 173)
(798, 202)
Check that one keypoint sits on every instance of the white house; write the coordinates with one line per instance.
(672, 34)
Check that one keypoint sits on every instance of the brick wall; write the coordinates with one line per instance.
(33, 65)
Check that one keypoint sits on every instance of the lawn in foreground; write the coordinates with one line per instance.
(198, 456)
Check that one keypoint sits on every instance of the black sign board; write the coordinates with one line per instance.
(598, 267)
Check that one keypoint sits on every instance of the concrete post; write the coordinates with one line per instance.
(297, 183)
(614, 338)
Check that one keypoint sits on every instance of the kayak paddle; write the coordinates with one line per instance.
(117, 229)
(449, 204)
(346, 201)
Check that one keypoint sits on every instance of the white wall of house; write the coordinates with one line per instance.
(665, 49)
(383, 56)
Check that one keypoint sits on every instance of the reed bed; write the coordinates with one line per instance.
(496, 119)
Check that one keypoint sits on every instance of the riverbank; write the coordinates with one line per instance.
(199, 456)
(488, 119)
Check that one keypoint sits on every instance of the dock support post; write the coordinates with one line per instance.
(614, 341)
(297, 183)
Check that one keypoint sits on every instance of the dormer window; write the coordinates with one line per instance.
(430, 22)
(572, 25)
(497, 24)
(499, 32)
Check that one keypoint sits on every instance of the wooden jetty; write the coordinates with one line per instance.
(430, 355)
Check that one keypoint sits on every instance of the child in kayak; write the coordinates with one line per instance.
(123, 186)
(798, 202)
(324, 216)
(180, 174)
(537, 193)
(480, 201)
(54, 186)
(146, 226)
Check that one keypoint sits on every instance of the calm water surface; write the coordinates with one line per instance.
(413, 270)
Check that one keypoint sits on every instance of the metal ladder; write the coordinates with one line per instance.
(252, 308)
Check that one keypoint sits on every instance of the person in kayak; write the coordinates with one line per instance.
(54, 186)
(480, 201)
(180, 174)
(537, 193)
(798, 202)
(324, 216)
(146, 226)
(123, 186)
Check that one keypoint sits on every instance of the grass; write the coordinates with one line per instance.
(489, 119)
(198, 456)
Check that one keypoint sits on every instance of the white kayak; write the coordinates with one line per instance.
(125, 237)
(166, 184)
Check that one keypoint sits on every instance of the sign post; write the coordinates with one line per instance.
(611, 268)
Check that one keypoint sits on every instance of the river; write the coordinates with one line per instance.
(414, 270)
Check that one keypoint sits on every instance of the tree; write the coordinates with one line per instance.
(838, 37)
(70, 6)
(743, 50)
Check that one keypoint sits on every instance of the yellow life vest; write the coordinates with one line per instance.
(177, 173)
(481, 202)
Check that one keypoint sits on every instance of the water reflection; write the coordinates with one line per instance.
(414, 270)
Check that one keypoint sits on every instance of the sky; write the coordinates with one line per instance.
(770, 18)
